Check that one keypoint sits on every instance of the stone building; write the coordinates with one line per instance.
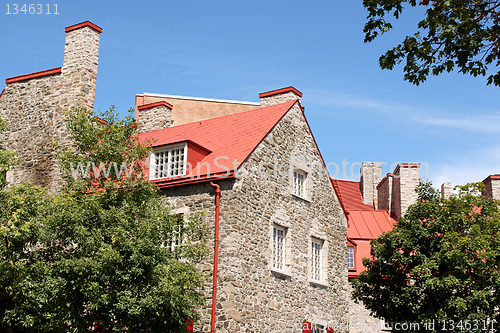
(34, 106)
(281, 250)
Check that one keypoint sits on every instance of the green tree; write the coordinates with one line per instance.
(440, 262)
(100, 252)
(454, 33)
(7, 157)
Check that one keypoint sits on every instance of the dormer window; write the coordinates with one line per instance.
(168, 161)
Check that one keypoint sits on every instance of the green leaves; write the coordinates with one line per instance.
(453, 33)
(98, 251)
(440, 262)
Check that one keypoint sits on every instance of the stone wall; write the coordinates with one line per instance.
(251, 296)
(34, 108)
(279, 96)
(360, 319)
(155, 117)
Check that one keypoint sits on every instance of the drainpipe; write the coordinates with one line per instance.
(216, 253)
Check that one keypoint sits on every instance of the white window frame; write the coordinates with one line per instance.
(169, 150)
(317, 328)
(316, 259)
(176, 239)
(279, 247)
(299, 183)
(350, 250)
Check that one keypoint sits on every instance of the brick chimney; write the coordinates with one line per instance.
(154, 116)
(370, 175)
(384, 194)
(279, 96)
(492, 184)
(446, 190)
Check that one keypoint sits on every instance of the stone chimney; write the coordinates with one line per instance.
(446, 190)
(279, 96)
(384, 193)
(492, 184)
(79, 69)
(370, 175)
(396, 192)
(406, 179)
(154, 116)
(34, 105)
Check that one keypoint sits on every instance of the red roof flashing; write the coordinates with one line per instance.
(84, 24)
(384, 180)
(152, 105)
(280, 91)
(406, 165)
(487, 178)
(1, 94)
(24, 77)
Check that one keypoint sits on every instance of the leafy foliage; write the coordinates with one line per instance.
(7, 157)
(98, 252)
(454, 33)
(440, 262)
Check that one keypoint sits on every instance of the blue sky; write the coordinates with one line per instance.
(238, 49)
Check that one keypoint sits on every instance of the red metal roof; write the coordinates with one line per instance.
(230, 138)
(280, 91)
(368, 224)
(349, 195)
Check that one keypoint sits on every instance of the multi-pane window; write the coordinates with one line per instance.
(317, 329)
(176, 237)
(168, 162)
(316, 260)
(350, 257)
(278, 247)
(299, 178)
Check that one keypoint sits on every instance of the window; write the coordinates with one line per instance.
(350, 257)
(318, 329)
(299, 180)
(168, 162)
(278, 247)
(177, 234)
(316, 259)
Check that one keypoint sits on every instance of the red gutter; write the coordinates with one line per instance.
(216, 252)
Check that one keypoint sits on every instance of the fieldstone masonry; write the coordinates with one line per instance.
(154, 116)
(251, 296)
(279, 96)
(406, 179)
(34, 106)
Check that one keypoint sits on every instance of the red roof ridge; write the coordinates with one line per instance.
(83, 24)
(24, 77)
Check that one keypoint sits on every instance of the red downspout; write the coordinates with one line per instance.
(216, 252)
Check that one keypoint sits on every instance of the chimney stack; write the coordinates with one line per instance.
(370, 175)
(279, 96)
(79, 71)
(385, 195)
(446, 190)
(492, 184)
(406, 179)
